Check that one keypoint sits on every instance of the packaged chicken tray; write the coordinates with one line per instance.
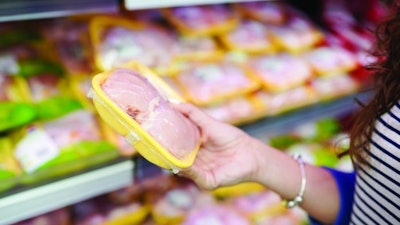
(135, 102)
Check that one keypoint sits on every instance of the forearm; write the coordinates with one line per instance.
(281, 173)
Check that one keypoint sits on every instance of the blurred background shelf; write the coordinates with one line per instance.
(38, 200)
(283, 123)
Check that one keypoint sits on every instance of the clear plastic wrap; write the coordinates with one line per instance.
(275, 103)
(60, 146)
(258, 204)
(70, 39)
(272, 12)
(202, 20)
(117, 41)
(296, 35)
(135, 103)
(216, 214)
(235, 111)
(248, 36)
(205, 83)
(280, 72)
(331, 60)
(334, 86)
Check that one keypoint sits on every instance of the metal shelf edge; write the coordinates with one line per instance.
(36, 201)
(279, 124)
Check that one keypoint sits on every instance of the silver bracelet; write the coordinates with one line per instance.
(299, 198)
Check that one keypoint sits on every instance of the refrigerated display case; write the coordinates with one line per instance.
(19, 204)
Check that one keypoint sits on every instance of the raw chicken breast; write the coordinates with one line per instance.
(138, 98)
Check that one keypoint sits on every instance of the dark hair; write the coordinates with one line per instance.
(386, 77)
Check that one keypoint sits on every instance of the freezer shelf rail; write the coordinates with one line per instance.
(67, 191)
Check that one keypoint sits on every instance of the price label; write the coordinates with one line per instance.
(8, 65)
(35, 149)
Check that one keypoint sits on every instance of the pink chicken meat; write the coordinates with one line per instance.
(142, 101)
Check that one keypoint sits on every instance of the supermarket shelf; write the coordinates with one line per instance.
(274, 125)
(58, 194)
(150, 4)
(14, 10)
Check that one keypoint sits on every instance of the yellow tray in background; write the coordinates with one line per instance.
(125, 125)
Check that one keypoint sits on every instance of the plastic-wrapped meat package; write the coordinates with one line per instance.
(274, 103)
(255, 204)
(202, 19)
(250, 36)
(152, 46)
(73, 127)
(232, 110)
(196, 47)
(177, 202)
(334, 86)
(280, 72)
(216, 215)
(43, 86)
(136, 96)
(327, 61)
(70, 37)
(206, 83)
(296, 35)
(272, 12)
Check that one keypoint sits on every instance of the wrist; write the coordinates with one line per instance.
(262, 161)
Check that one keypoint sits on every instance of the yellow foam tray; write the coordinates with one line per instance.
(125, 125)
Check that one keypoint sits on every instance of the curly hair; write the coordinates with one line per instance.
(386, 77)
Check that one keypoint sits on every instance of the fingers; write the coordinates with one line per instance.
(201, 181)
(194, 113)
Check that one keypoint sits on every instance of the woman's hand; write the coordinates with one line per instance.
(229, 156)
(222, 159)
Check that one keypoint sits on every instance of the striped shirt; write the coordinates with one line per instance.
(377, 187)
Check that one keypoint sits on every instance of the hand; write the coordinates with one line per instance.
(225, 156)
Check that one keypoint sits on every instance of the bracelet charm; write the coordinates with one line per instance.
(299, 198)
